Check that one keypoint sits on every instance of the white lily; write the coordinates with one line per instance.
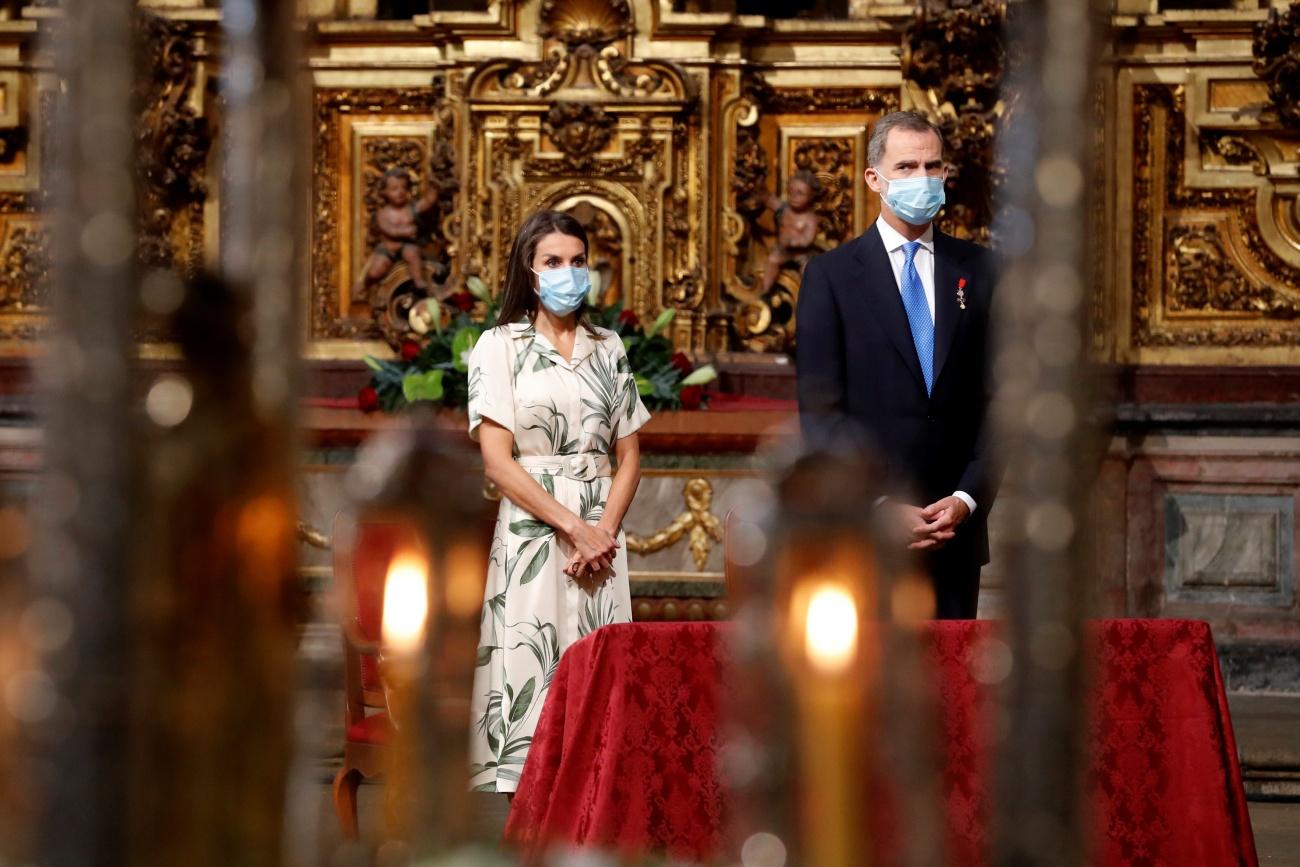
(701, 376)
(662, 322)
(476, 287)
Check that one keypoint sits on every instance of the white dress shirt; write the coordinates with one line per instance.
(924, 262)
(924, 258)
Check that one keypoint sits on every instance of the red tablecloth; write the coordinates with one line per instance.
(625, 752)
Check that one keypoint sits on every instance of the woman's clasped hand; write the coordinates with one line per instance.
(594, 548)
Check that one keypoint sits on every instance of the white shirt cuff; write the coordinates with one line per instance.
(967, 499)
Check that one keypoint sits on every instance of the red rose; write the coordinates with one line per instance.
(410, 350)
(629, 318)
(368, 399)
(682, 363)
(692, 396)
(462, 301)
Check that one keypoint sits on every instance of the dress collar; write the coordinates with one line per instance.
(583, 343)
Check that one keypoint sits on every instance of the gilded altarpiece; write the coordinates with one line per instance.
(175, 127)
(671, 144)
(1205, 247)
(1198, 308)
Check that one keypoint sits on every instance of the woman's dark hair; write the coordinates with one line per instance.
(519, 298)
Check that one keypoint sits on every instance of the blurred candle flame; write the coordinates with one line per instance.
(831, 629)
(406, 603)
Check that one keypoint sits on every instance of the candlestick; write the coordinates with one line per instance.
(831, 586)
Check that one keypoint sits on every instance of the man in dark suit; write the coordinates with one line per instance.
(894, 348)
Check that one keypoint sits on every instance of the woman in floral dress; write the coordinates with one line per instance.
(555, 409)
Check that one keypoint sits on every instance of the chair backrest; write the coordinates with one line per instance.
(363, 550)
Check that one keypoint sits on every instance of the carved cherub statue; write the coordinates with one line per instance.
(796, 225)
(397, 223)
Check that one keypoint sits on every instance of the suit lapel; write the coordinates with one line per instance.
(947, 312)
(885, 301)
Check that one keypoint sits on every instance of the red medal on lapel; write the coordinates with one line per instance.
(961, 292)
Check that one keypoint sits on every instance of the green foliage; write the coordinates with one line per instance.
(439, 372)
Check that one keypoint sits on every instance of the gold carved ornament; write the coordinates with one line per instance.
(1188, 290)
(610, 139)
(953, 60)
(1276, 50)
(173, 141)
(763, 299)
(430, 159)
(704, 527)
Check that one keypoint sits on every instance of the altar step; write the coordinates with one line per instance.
(1268, 743)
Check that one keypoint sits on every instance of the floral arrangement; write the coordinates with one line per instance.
(435, 368)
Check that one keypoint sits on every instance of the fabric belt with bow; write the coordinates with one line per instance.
(580, 468)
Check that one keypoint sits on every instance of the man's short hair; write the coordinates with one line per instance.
(909, 120)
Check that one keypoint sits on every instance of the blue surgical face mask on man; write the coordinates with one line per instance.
(915, 200)
(562, 290)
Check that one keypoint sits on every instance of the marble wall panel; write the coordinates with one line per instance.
(1229, 548)
(1209, 531)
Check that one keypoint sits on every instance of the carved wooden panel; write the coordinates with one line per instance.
(25, 243)
(1204, 275)
(772, 134)
(359, 134)
(174, 138)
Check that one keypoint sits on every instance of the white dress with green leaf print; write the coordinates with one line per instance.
(532, 610)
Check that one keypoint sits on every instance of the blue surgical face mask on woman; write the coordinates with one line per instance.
(562, 290)
(915, 200)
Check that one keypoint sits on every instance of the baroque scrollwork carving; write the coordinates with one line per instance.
(566, 68)
(1235, 150)
(537, 79)
(586, 48)
(25, 258)
(1198, 294)
(1276, 51)
(172, 145)
(584, 22)
(579, 130)
(749, 180)
(1204, 280)
(804, 100)
(24, 268)
(621, 76)
(953, 62)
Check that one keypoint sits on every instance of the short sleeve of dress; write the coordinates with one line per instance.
(632, 414)
(491, 382)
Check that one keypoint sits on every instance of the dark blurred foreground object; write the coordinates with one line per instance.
(414, 542)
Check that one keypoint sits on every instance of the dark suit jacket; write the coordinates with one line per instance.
(859, 375)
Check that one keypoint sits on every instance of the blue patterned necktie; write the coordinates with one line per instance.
(918, 314)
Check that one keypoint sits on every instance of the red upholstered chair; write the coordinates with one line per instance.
(362, 553)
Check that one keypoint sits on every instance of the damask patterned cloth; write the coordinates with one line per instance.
(626, 753)
(566, 416)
